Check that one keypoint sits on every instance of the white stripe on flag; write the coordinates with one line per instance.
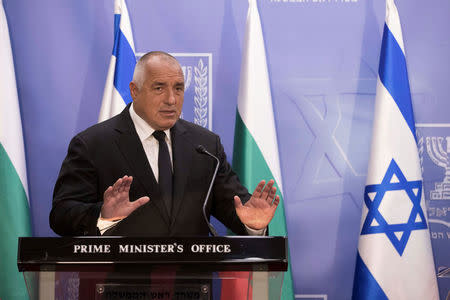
(11, 136)
(254, 93)
(393, 22)
(112, 103)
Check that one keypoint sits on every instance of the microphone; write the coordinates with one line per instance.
(201, 149)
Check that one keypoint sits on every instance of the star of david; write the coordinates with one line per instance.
(416, 219)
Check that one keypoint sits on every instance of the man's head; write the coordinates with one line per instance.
(157, 89)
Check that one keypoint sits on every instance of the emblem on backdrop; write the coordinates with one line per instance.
(434, 149)
(197, 107)
(438, 149)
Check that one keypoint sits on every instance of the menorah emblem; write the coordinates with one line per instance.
(440, 157)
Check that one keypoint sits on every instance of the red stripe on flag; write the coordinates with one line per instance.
(236, 285)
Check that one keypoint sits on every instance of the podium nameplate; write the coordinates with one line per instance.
(200, 253)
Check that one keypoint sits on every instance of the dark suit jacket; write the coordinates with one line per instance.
(100, 155)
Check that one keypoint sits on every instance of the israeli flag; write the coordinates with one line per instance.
(395, 259)
(121, 67)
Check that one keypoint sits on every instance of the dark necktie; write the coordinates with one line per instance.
(165, 171)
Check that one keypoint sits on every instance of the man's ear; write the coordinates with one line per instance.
(133, 90)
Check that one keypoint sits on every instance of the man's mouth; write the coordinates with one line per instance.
(168, 113)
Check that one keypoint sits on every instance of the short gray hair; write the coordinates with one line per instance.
(140, 65)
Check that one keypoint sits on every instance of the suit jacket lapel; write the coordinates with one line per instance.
(182, 150)
(133, 151)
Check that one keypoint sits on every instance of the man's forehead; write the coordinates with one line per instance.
(166, 80)
(170, 68)
(164, 75)
(162, 62)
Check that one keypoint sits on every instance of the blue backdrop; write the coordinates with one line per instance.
(323, 60)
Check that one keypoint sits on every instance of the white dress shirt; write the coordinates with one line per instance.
(149, 142)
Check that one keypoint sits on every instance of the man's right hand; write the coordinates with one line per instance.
(116, 200)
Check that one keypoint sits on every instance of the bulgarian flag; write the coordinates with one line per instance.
(255, 155)
(14, 206)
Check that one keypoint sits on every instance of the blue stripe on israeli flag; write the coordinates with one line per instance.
(125, 62)
(393, 75)
(394, 258)
(367, 287)
(116, 94)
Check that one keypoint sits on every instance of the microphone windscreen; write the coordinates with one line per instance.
(200, 149)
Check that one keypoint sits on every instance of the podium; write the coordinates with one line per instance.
(179, 268)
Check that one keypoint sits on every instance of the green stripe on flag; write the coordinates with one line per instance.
(14, 222)
(251, 167)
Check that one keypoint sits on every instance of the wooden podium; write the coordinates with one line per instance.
(181, 268)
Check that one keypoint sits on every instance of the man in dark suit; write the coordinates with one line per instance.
(139, 174)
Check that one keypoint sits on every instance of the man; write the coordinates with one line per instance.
(139, 174)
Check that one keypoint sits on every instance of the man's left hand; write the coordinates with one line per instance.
(257, 212)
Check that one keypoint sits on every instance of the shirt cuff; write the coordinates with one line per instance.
(104, 225)
(256, 232)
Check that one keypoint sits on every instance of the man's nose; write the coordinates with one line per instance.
(171, 99)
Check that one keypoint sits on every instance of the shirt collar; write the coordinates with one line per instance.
(143, 129)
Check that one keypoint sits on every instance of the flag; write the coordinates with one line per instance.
(121, 66)
(14, 205)
(255, 154)
(394, 259)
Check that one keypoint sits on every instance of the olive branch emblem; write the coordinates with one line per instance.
(201, 91)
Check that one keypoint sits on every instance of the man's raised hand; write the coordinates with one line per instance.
(259, 210)
(116, 200)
